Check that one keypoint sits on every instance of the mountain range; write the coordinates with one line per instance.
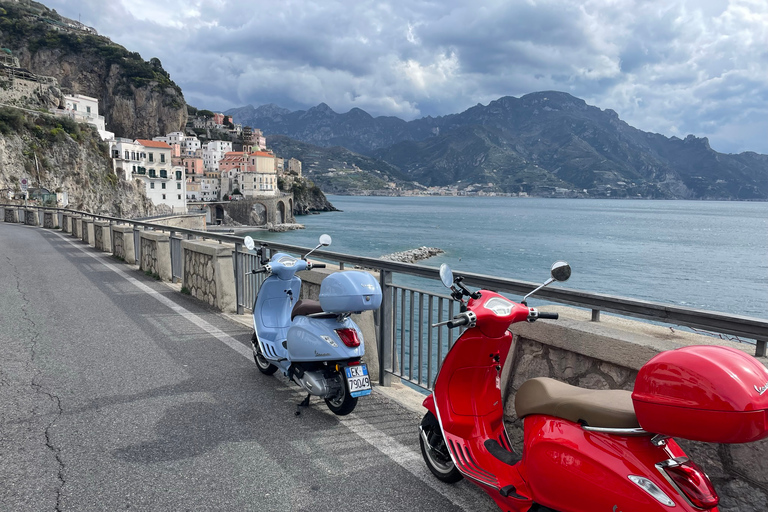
(545, 143)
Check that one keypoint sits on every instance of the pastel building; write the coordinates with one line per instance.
(213, 152)
(253, 174)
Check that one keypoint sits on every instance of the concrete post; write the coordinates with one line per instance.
(155, 254)
(123, 236)
(30, 217)
(102, 236)
(76, 226)
(11, 215)
(88, 234)
(66, 223)
(208, 273)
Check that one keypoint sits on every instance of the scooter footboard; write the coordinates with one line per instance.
(570, 469)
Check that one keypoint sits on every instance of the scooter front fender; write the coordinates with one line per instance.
(569, 469)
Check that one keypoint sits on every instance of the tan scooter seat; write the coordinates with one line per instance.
(595, 408)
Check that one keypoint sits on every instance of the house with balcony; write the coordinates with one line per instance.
(85, 109)
(151, 163)
(252, 174)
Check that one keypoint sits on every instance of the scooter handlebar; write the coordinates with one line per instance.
(549, 316)
(317, 265)
(458, 322)
(258, 270)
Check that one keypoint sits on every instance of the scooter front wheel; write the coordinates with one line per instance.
(435, 452)
(262, 364)
(343, 403)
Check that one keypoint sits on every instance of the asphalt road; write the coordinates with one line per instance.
(117, 393)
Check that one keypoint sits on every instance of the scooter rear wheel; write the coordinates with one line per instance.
(342, 404)
(262, 364)
(435, 452)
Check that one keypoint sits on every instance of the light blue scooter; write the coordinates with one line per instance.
(315, 343)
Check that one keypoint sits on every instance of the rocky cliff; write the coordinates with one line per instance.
(61, 155)
(137, 98)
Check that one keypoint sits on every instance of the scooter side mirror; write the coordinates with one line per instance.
(446, 275)
(325, 240)
(249, 243)
(560, 271)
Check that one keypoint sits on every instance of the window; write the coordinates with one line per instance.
(163, 196)
(152, 185)
(152, 173)
(163, 173)
(179, 196)
(178, 175)
(178, 186)
(163, 185)
(151, 157)
(88, 109)
(162, 158)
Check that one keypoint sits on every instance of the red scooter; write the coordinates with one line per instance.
(584, 450)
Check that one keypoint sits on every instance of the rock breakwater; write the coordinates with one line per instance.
(413, 255)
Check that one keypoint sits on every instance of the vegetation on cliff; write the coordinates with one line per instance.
(62, 155)
(137, 97)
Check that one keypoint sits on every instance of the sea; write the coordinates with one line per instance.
(710, 255)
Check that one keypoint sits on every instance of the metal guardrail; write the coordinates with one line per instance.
(409, 347)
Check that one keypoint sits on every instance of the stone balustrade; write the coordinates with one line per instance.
(124, 247)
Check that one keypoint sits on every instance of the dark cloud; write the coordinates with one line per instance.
(668, 66)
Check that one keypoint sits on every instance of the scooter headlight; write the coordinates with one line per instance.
(499, 306)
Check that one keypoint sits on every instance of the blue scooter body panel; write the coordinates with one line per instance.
(315, 339)
(272, 314)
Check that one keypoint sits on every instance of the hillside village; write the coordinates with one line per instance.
(177, 168)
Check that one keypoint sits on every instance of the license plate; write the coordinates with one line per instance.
(357, 379)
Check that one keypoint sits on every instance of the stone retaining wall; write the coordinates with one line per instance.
(124, 248)
(11, 215)
(76, 226)
(608, 355)
(208, 273)
(50, 219)
(102, 236)
(31, 217)
(155, 258)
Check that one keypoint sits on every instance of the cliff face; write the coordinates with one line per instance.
(137, 98)
(59, 154)
(308, 198)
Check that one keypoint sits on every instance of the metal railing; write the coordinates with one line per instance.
(409, 348)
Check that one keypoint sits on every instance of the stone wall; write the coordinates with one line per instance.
(123, 242)
(51, 220)
(155, 254)
(31, 217)
(11, 215)
(102, 236)
(208, 273)
(608, 355)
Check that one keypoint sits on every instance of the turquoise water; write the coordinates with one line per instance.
(707, 255)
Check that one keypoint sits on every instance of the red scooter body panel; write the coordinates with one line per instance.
(570, 469)
(705, 393)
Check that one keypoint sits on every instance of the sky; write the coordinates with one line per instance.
(674, 67)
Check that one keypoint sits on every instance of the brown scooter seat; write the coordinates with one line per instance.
(596, 408)
(306, 307)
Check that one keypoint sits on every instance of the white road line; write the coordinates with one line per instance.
(403, 456)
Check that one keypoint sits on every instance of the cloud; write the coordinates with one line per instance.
(668, 66)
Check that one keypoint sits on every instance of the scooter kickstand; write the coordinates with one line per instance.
(304, 403)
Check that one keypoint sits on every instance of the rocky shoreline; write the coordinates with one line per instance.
(413, 255)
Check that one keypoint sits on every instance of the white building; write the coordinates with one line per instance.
(213, 152)
(85, 109)
(150, 162)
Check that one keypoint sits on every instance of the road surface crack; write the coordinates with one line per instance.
(40, 389)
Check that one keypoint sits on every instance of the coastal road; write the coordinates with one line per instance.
(118, 393)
